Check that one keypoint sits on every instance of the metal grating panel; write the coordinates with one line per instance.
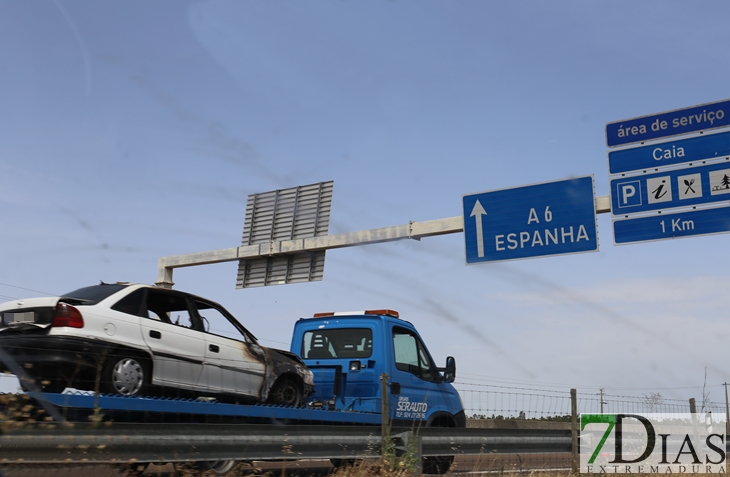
(294, 268)
(285, 214)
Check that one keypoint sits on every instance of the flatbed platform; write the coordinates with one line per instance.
(82, 406)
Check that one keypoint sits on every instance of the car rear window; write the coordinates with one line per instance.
(338, 343)
(94, 294)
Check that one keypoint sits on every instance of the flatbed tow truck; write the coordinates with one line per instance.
(355, 358)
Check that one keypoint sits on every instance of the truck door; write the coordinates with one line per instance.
(415, 375)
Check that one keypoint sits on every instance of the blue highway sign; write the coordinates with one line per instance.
(687, 187)
(668, 226)
(668, 153)
(670, 123)
(551, 218)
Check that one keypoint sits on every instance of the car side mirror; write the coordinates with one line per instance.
(450, 370)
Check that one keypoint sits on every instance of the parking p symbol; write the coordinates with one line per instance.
(629, 193)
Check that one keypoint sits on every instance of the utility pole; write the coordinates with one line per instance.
(574, 431)
(727, 411)
(603, 390)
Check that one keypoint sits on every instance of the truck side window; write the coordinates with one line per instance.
(410, 355)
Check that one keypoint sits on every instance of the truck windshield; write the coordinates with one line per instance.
(337, 343)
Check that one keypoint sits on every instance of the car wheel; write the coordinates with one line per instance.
(286, 392)
(124, 376)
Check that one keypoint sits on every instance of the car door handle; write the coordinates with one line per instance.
(214, 348)
(155, 334)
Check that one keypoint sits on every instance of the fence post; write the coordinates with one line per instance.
(727, 411)
(575, 464)
(693, 410)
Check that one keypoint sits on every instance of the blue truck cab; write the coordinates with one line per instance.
(348, 353)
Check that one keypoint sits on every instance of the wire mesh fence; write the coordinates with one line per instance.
(512, 407)
(499, 402)
(487, 401)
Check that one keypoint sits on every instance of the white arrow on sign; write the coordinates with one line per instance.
(478, 211)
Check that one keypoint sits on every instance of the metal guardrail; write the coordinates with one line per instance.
(452, 441)
(126, 443)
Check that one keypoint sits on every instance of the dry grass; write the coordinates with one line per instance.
(20, 408)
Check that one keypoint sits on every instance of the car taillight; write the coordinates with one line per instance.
(67, 315)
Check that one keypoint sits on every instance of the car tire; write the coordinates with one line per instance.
(124, 376)
(287, 391)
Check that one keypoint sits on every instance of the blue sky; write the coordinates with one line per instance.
(135, 130)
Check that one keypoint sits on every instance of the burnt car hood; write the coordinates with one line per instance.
(288, 354)
(282, 362)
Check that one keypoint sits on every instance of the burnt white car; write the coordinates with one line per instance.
(132, 339)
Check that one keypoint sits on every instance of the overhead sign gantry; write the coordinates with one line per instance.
(669, 178)
(281, 248)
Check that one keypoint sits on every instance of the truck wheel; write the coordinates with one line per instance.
(442, 463)
(287, 391)
(437, 464)
(337, 463)
(124, 376)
